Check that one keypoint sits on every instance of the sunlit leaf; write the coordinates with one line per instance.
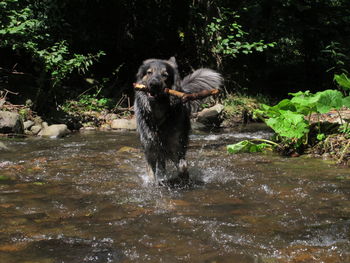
(246, 147)
(289, 124)
(329, 99)
(343, 81)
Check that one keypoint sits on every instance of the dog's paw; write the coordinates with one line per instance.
(182, 166)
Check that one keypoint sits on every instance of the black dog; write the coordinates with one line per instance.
(163, 121)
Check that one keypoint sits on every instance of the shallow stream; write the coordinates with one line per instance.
(87, 198)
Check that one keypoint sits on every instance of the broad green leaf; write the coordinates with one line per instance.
(343, 81)
(285, 104)
(289, 124)
(346, 102)
(306, 93)
(305, 102)
(246, 147)
(329, 99)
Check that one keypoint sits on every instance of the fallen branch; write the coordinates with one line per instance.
(184, 96)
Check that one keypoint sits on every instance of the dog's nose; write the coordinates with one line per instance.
(154, 83)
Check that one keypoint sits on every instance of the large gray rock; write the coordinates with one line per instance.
(124, 124)
(211, 116)
(11, 122)
(54, 131)
(195, 125)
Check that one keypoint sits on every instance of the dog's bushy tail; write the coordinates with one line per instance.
(201, 79)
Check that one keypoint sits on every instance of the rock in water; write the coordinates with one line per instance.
(124, 124)
(210, 116)
(54, 131)
(11, 122)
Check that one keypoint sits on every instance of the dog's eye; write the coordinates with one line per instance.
(165, 74)
(149, 72)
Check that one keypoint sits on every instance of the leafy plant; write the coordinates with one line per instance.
(88, 102)
(59, 62)
(227, 37)
(249, 147)
(343, 81)
(239, 105)
(337, 54)
(290, 118)
(28, 28)
(289, 124)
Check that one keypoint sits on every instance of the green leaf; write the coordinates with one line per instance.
(246, 147)
(274, 111)
(321, 136)
(285, 104)
(329, 99)
(343, 81)
(305, 102)
(346, 102)
(289, 124)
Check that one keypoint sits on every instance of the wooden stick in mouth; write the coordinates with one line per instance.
(184, 96)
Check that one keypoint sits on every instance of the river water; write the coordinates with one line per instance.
(87, 198)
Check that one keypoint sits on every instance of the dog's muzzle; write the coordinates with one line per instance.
(155, 88)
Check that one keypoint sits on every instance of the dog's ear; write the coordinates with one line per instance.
(141, 72)
(172, 61)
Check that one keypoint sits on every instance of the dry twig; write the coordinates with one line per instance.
(184, 96)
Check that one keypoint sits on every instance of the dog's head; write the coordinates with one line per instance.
(156, 75)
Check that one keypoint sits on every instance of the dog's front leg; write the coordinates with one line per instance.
(160, 171)
(156, 169)
(151, 160)
(150, 172)
(183, 170)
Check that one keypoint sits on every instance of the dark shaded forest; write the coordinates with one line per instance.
(54, 50)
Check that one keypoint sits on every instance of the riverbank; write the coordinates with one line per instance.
(93, 114)
(233, 111)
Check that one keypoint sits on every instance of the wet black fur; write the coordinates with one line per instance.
(163, 121)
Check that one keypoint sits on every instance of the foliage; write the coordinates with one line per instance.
(290, 118)
(27, 28)
(345, 129)
(337, 55)
(57, 41)
(87, 102)
(343, 81)
(289, 124)
(228, 39)
(236, 105)
(59, 63)
(291, 114)
(247, 147)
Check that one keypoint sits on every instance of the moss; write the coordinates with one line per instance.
(239, 107)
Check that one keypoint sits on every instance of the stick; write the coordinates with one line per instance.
(184, 96)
